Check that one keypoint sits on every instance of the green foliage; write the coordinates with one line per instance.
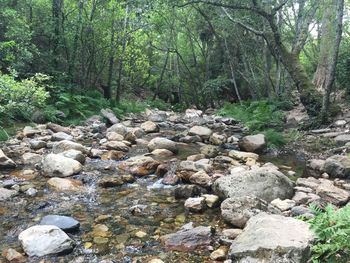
(274, 138)
(18, 99)
(332, 230)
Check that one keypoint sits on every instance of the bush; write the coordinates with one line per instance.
(275, 138)
(18, 99)
(332, 230)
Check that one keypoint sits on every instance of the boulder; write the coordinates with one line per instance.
(150, 126)
(64, 145)
(66, 223)
(188, 238)
(209, 151)
(61, 136)
(139, 165)
(162, 143)
(118, 128)
(283, 205)
(201, 178)
(110, 116)
(314, 168)
(195, 204)
(337, 166)
(75, 155)
(57, 128)
(264, 183)
(217, 139)
(342, 139)
(332, 194)
(238, 210)
(37, 144)
(162, 153)
(55, 165)
(31, 158)
(113, 136)
(45, 240)
(253, 143)
(117, 145)
(243, 156)
(6, 193)
(201, 131)
(65, 185)
(273, 238)
(158, 116)
(6, 162)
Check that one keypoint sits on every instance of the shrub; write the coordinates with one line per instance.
(332, 230)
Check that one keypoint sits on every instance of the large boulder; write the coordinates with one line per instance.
(117, 145)
(118, 128)
(253, 143)
(45, 240)
(188, 238)
(273, 238)
(6, 162)
(150, 126)
(238, 210)
(337, 166)
(162, 143)
(65, 145)
(202, 131)
(55, 165)
(264, 183)
(314, 168)
(61, 136)
(110, 116)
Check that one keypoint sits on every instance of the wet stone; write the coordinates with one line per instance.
(66, 223)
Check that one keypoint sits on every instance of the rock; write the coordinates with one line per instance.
(140, 234)
(117, 145)
(253, 143)
(139, 165)
(155, 260)
(238, 210)
(149, 126)
(57, 128)
(170, 178)
(65, 185)
(342, 139)
(110, 116)
(6, 193)
(45, 240)
(162, 153)
(66, 223)
(186, 191)
(113, 136)
(13, 256)
(110, 181)
(209, 151)
(113, 155)
(29, 131)
(6, 162)
(211, 200)
(190, 139)
(195, 204)
(265, 183)
(314, 168)
(75, 155)
(332, 194)
(242, 156)
(162, 143)
(283, 205)
(55, 165)
(337, 166)
(63, 146)
(305, 198)
(193, 115)
(296, 116)
(195, 157)
(159, 116)
(309, 182)
(60, 136)
(217, 139)
(201, 178)
(201, 131)
(31, 158)
(31, 191)
(118, 128)
(219, 254)
(301, 211)
(232, 233)
(273, 238)
(37, 144)
(188, 238)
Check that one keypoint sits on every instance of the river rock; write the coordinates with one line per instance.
(186, 191)
(117, 145)
(209, 151)
(65, 185)
(188, 238)
(217, 139)
(190, 139)
(57, 128)
(243, 156)
(264, 183)
(75, 155)
(29, 131)
(231, 233)
(337, 166)
(162, 143)
(253, 143)
(6, 193)
(55, 165)
(37, 144)
(195, 204)
(342, 139)
(273, 238)
(66, 223)
(332, 194)
(60, 136)
(13, 256)
(283, 205)
(150, 126)
(6, 162)
(110, 181)
(113, 136)
(31, 158)
(314, 168)
(219, 254)
(201, 131)
(238, 210)
(45, 240)
(139, 165)
(110, 116)
(211, 200)
(201, 178)
(65, 145)
(118, 128)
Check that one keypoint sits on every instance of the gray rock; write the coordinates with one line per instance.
(118, 128)
(37, 144)
(201, 178)
(110, 116)
(195, 204)
(117, 145)
(342, 139)
(150, 126)
(264, 183)
(209, 151)
(66, 223)
(238, 210)
(201, 131)
(272, 238)
(55, 165)
(61, 136)
(159, 116)
(63, 146)
(162, 143)
(314, 168)
(6, 162)
(337, 166)
(45, 240)
(253, 143)
(31, 158)
(75, 155)
(332, 194)
(186, 191)
(6, 193)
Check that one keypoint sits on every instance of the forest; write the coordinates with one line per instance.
(175, 131)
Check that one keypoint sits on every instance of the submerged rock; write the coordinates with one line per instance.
(45, 240)
(264, 183)
(273, 238)
(188, 238)
(66, 223)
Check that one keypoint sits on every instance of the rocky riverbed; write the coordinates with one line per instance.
(158, 187)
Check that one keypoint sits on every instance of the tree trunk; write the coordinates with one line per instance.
(57, 6)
